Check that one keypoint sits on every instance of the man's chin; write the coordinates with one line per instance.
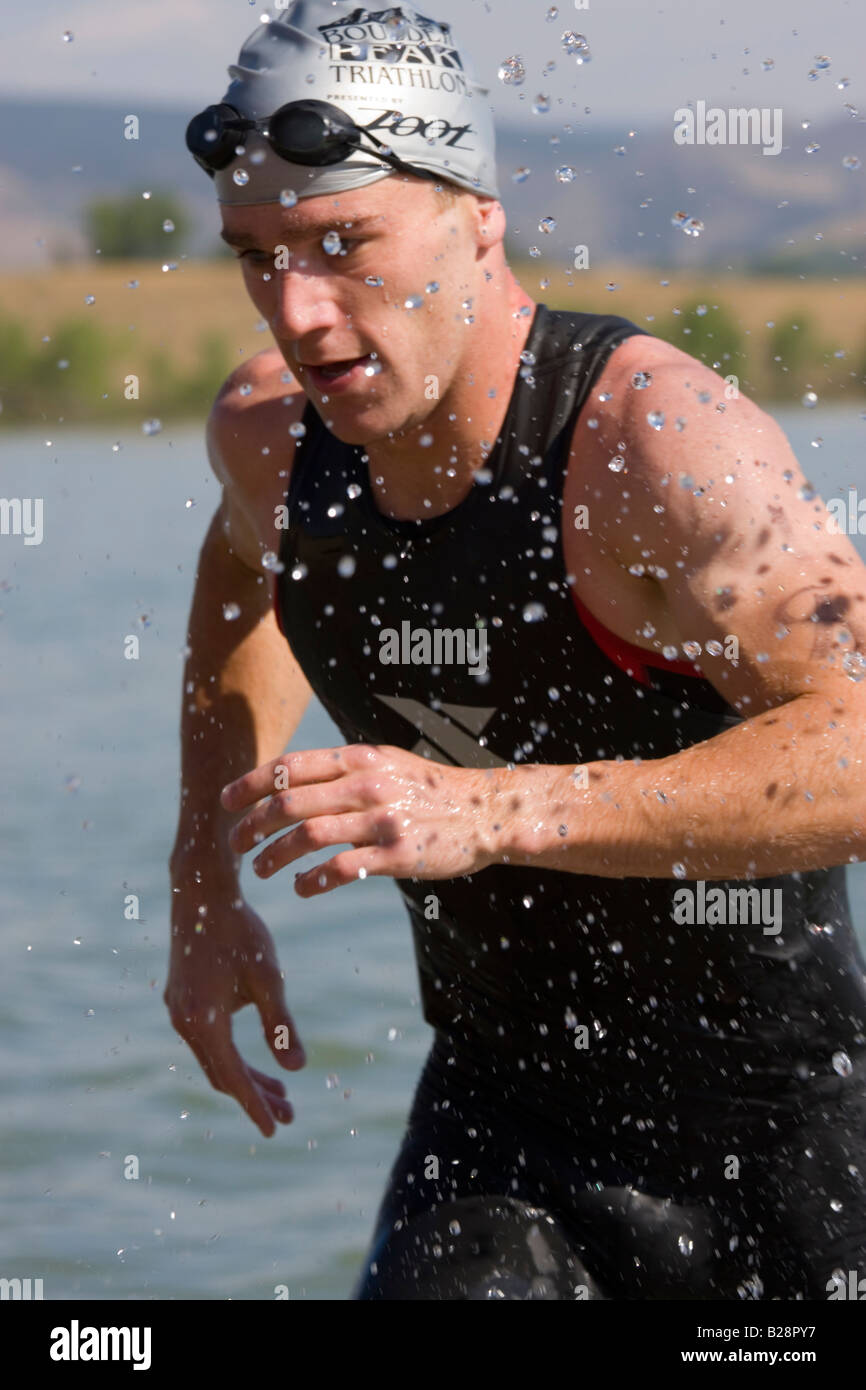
(356, 427)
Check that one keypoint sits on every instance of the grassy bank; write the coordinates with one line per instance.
(181, 331)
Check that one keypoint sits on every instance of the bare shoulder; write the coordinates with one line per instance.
(250, 448)
(651, 393)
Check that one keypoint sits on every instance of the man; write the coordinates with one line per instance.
(597, 661)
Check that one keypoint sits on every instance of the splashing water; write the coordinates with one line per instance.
(576, 45)
(842, 1064)
(854, 666)
(512, 72)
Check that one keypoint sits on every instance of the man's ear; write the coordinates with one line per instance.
(490, 223)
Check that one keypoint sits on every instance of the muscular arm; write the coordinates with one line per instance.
(734, 545)
(244, 696)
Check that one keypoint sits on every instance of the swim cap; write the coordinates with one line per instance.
(393, 71)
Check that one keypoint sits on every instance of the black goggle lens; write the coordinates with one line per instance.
(303, 132)
(210, 137)
(312, 133)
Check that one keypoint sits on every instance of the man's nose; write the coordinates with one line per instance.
(304, 303)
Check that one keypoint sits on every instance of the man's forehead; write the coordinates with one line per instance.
(309, 216)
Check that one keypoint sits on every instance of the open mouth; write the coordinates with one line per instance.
(339, 375)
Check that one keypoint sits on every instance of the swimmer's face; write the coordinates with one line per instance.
(327, 307)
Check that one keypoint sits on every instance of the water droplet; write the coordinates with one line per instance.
(714, 648)
(300, 571)
(842, 1064)
(90, 299)
(807, 493)
(809, 400)
(346, 566)
(813, 147)
(297, 430)
(534, 612)
(656, 419)
(512, 72)
(551, 14)
(521, 175)
(541, 105)
(617, 463)
(331, 243)
(454, 1228)
(822, 62)
(168, 225)
(852, 162)
(288, 198)
(374, 280)
(271, 561)
(753, 1287)
(240, 177)
(686, 1245)
(547, 224)
(854, 666)
(692, 650)
(373, 368)
(151, 427)
(68, 36)
(678, 870)
(413, 302)
(432, 288)
(565, 173)
(641, 380)
(577, 45)
(767, 64)
(615, 947)
(231, 611)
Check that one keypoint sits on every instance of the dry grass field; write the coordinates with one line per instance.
(169, 314)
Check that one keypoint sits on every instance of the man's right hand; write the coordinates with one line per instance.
(212, 973)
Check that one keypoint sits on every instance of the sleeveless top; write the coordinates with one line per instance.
(514, 959)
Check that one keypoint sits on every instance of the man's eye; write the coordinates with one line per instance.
(257, 256)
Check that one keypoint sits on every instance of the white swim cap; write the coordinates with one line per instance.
(395, 73)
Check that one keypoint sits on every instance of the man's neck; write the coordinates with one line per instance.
(418, 481)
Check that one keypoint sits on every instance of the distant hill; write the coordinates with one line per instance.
(795, 212)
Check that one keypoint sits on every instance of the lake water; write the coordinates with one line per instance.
(92, 1071)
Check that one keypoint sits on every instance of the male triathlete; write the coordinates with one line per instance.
(597, 660)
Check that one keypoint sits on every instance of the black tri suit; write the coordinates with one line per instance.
(615, 1106)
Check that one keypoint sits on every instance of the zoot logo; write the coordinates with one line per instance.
(399, 125)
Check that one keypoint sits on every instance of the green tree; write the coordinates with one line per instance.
(130, 226)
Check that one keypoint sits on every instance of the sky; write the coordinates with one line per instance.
(647, 58)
